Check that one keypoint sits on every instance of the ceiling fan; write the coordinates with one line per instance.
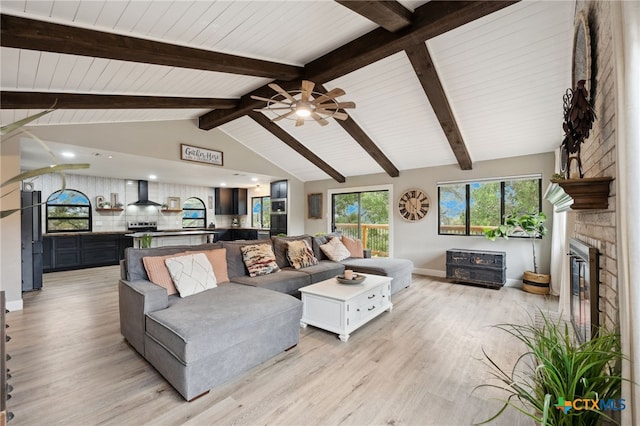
(305, 104)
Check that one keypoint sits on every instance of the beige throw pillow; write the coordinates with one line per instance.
(191, 274)
(300, 254)
(158, 273)
(354, 246)
(259, 259)
(335, 250)
(218, 260)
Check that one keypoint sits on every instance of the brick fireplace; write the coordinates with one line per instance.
(597, 228)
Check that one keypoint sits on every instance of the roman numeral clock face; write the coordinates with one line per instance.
(413, 205)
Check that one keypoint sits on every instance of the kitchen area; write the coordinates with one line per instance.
(150, 214)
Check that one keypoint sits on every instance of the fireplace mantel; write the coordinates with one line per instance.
(587, 193)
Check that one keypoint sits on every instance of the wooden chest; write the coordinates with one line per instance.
(484, 267)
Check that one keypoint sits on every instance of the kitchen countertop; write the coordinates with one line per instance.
(130, 233)
(73, 234)
(168, 233)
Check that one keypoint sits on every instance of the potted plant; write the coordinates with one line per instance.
(532, 226)
(145, 240)
(557, 381)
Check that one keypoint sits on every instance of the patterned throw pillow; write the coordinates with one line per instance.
(300, 254)
(335, 250)
(259, 259)
(191, 274)
(354, 246)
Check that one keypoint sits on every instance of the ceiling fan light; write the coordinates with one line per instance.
(303, 112)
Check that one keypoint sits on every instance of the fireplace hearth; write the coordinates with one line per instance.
(583, 260)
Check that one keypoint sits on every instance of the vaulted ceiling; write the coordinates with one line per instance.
(434, 82)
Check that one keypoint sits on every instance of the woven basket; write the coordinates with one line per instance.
(535, 283)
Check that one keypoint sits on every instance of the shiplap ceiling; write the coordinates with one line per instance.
(503, 74)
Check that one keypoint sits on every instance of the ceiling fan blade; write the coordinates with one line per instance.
(335, 114)
(269, 100)
(283, 116)
(339, 105)
(299, 121)
(307, 88)
(319, 119)
(281, 91)
(329, 95)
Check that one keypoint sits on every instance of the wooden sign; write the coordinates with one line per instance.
(200, 155)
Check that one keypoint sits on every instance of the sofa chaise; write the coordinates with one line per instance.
(201, 341)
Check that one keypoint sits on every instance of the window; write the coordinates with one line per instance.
(261, 212)
(469, 208)
(68, 211)
(194, 213)
(363, 215)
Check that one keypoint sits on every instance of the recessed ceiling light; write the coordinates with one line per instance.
(111, 156)
(254, 179)
(68, 154)
(129, 182)
(223, 184)
(153, 177)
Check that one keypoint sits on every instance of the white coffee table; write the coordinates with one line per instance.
(342, 308)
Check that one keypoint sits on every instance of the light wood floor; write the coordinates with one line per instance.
(416, 365)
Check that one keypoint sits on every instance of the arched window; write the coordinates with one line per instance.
(68, 211)
(194, 213)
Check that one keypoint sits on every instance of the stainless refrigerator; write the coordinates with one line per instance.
(31, 233)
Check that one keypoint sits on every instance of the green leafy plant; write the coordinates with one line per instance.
(145, 240)
(9, 131)
(528, 224)
(554, 368)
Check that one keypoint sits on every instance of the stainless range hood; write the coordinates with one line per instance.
(143, 195)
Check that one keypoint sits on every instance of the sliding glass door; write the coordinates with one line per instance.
(363, 215)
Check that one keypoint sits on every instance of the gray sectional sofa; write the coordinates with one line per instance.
(201, 341)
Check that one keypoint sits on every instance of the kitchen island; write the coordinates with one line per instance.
(199, 236)
(173, 238)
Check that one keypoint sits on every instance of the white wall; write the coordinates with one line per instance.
(10, 255)
(420, 241)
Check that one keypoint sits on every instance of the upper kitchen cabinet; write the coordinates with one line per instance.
(231, 201)
(279, 189)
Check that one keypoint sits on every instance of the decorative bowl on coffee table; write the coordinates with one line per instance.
(357, 279)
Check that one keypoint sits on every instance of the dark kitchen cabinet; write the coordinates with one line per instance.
(233, 234)
(279, 189)
(66, 252)
(278, 224)
(230, 201)
(99, 250)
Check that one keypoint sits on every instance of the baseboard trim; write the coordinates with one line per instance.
(443, 274)
(14, 305)
(430, 272)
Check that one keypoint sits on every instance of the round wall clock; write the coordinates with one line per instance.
(413, 205)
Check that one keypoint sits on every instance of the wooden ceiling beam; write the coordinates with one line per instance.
(430, 20)
(216, 118)
(23, 33)
(44, 100)
(366, 143)
(285, 137)
(430, 81)
(390, 15)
